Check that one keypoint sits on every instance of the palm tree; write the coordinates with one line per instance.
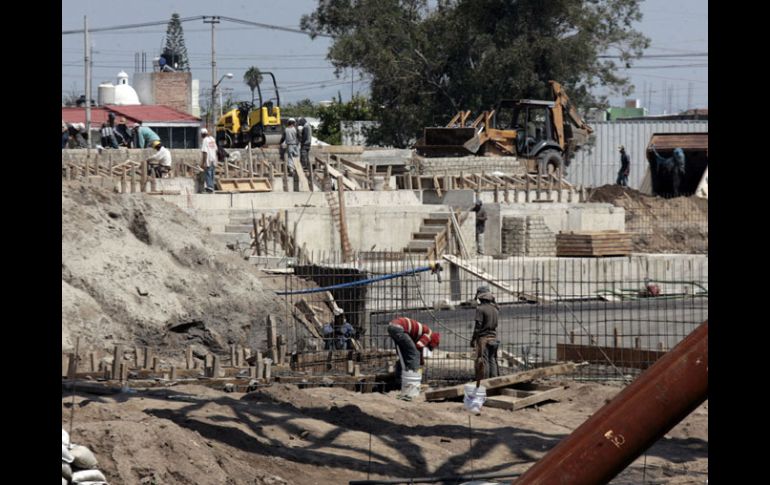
(252, 77)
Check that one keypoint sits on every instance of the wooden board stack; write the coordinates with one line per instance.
(591, 244)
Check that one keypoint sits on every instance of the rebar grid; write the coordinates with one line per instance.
(551, 309)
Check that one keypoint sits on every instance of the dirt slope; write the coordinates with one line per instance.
(132, 265)
(283, 435)
(658, 225)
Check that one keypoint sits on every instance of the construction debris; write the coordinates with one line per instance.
(504, 381)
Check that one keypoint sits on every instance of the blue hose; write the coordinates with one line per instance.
(357, 283)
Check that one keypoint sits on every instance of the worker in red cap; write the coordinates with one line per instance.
(411, 337)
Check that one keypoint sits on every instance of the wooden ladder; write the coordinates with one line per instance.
(337, 208)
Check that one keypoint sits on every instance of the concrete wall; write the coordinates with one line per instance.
(550, 278)
(558, 217)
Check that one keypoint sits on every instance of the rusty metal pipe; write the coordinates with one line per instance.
(634, 420)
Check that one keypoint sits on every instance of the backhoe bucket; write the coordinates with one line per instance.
(448, 142)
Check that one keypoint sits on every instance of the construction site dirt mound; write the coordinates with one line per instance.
(659, 225)
(138, 270)
(190, 434)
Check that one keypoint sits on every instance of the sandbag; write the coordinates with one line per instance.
(84, 459)
(66, 456)
(88, 476)
(65, 438)
(66, 471)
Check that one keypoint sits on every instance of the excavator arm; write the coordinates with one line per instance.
(562, 110)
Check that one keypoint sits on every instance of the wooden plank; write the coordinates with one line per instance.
(302, 179)
(479, 273)
(272, 338)
(503, 381)
(618, 356)
(513, 403)
(304, 307)
(349, 184)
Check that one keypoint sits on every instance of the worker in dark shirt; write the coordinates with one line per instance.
(625, 167)
(481, 220)
(484, 338)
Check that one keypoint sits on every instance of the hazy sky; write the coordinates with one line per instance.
(676, 28)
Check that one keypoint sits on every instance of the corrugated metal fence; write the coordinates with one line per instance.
(599, 164)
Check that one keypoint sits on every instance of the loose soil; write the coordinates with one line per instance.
(658, 225)
(134, 268)
(189, 434)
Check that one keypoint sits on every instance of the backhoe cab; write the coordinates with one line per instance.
(248, 123)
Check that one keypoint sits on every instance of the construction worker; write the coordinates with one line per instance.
(481, 221)
(144, 136)
(306, 137)
(673, 166)
(292, 144)
(411, 337)
(160, 162)
(484, 338)
(625, 167)
(208, 159)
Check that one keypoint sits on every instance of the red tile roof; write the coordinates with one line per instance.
(133, 114)
(155, 112)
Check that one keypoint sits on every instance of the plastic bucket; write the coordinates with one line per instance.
(410, 383)
(474, 398)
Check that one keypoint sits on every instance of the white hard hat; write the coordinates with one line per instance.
(204, 131)
(292, 120)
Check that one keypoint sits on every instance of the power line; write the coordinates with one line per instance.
(189, 19)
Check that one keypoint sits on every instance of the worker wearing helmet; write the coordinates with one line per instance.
(484, 338)
(160, 162)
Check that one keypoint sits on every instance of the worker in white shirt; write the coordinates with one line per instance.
(160, 162)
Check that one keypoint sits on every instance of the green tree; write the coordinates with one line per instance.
(252, 77)
(175, 51)
(303, 107)
(427, 63)
(356, 109)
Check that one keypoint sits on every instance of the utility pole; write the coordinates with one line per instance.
(689, 95)
(213, 21)
(87, 73)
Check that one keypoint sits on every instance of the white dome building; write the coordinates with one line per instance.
(125, 94)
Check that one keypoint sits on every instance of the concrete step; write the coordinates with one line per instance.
(232, 237)
(431, 229)
(440, 215)
(239, 228)
(434, 221)
(420, 244)
(243, 219)
(424, 235)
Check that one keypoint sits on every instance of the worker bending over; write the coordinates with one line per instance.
(411, 337)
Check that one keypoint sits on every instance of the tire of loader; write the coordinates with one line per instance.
(549, 161)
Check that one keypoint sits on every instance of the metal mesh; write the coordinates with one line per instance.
(598, 310)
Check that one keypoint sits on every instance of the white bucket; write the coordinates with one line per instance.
(410, 383)
(410, 380)
(474, 398)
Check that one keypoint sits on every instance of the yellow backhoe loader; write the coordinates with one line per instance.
(544, 134)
